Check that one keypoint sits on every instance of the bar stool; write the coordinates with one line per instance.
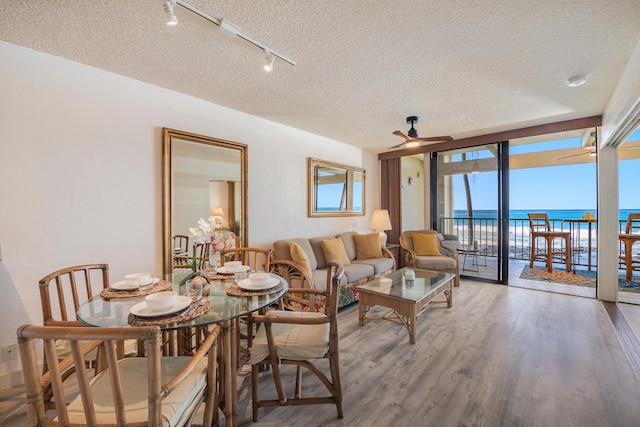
(630, 237)
(540, 227)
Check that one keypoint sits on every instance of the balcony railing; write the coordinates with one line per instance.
(485, 232)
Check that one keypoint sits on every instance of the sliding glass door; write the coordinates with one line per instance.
(467, 203)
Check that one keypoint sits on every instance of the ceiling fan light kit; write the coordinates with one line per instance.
(576, 81)
(225, 25)
(412, 140)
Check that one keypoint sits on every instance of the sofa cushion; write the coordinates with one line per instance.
(300, 257)
(334, 251)
(380, 265)
(435, 262)
(282, 250)
(316, 245)
(357, 271)
(349, 243)
(319, 278)
(367, 246)
(426, 244)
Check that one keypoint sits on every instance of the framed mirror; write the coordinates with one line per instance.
(202, 177)
(335, 189)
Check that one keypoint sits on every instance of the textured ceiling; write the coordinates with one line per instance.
(464, 67)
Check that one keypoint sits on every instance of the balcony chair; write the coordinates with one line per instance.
(424, 249)
(628, 239)
(297, 338)
(150, 390)
(540, 227)
(61, 293)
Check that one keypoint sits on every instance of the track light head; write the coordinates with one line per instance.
(268, 67)
(168, 7)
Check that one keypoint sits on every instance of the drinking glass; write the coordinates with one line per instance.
(194, 289)
(211, 268)
(240, 273)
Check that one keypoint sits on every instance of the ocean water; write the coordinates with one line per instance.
(554, 214)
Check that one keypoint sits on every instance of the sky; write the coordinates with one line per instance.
(566, 187)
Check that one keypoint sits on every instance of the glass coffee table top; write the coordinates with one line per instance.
(426, 281)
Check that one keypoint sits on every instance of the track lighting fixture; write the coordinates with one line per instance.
(227, 27)
(268, 67)
(168, 7)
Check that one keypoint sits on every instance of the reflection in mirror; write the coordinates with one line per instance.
(335, 189)
(203, 178)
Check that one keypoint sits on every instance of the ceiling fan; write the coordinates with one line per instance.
(589, 143)
(412, 139)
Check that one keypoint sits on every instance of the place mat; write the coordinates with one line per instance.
(234, 291)
(181, 316)
(109, 293)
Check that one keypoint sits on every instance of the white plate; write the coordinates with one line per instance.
(270, 283)
(124, 286)
(142, 310)
(230, 270)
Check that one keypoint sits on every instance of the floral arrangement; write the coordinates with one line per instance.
(205, 227)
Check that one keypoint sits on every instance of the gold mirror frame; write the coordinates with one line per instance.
(171, 137)
(343, 198)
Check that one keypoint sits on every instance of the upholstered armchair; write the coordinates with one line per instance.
(424, 249)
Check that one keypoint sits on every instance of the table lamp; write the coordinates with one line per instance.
(380, 222)
(218, 213)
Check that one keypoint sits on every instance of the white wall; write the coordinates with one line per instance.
(80, 174)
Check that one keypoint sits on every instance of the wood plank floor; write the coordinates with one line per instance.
(502, 356)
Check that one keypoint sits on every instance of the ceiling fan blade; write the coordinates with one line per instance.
(435, 138)
(396, 146)
(401, 134)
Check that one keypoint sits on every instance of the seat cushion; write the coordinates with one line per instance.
(357, 271)
(367, 246)
(133, 375)
(295, 342)
(380, 265)
(443, 263)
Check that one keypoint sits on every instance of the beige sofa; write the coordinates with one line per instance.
(358, 271)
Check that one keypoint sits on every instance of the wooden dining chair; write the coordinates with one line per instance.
(628, 239)
(298, 338)
(200, 251)
(61, 293)
(257, 259)
(151, 390)
(540, 227)
(180, 244)
(296, 277)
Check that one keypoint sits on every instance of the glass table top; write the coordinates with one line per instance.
(115, 312)
(426, 281)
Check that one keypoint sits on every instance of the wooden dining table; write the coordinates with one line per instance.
(225, 310)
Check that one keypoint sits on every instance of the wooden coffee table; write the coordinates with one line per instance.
(407, 299)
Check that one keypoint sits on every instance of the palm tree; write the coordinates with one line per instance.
(467, 191)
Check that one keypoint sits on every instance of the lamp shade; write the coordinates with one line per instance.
(218, 212)
(380, 220)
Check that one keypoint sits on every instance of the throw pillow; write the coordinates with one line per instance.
(300, 257)
(367, 246)
(334, 251)
(426, 244)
